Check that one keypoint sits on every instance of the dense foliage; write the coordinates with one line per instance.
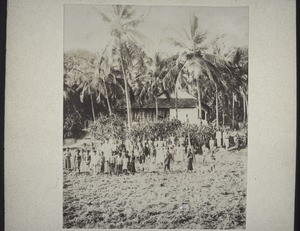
(109, 82)
(115, 127)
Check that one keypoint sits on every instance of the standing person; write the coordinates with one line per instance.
(97, 163)
(204, 153)
(155, 143)
(137, 156)
(142, 158)
(164, 143)
(191, 160)
(128, 145)
(160, 155)
(83, 158)
(150, 143)
(112, 164)
(225, 139)
(211, 145)
(94, 161)
(172, 152)
(146, 156)
(77, 161)
(119, 164)
(235, 138)
(167, 161)
(152, 161)
(65, 158)
(218, 138)
(132, 163)
(102, 163)
(84, 149)
(125, 162)
(88, 162)
(172, 139)
(146, 150)
(212, 161)
(68, 158)
(178, 155)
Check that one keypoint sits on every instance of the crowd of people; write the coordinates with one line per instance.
(116, 157)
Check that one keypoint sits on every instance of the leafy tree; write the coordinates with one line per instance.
(198, 61)
(123, 23)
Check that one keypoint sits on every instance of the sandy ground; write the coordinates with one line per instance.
(199, 200)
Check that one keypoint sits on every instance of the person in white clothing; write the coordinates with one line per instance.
(219, 138)
(226, 139)
(211, 145)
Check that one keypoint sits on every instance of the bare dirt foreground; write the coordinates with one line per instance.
(200, 200)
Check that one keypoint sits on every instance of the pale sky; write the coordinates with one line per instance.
(84, 29)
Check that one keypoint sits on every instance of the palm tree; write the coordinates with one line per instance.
(198, 61)
(148, 87)
(88, 86)
(237, 63)
(172, 77)
(94, 80)
(123, 23)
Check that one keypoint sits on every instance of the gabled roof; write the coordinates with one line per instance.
(184, 100)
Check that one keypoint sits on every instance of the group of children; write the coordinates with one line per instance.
(123, 157)
(127, 157)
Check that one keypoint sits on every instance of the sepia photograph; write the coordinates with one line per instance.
(155, 117)
(139, 114)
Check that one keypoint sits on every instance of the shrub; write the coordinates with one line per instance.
(72, 126)
(152, 130)
(115, 127)
(108, 127)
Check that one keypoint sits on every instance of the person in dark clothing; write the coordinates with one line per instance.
(68, 159)
(167, 160)
(132, 164)
(146, 150)
(77, 160)
(88, 161)
(191, 160)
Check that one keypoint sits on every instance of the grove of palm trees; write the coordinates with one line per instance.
(139, 59)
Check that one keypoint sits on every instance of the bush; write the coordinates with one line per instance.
(115, 127)
(108, 127)
(152, 130)
(73, 126)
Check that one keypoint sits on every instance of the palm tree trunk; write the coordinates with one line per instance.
(244, 107)
(107, 100)
(108, 105)
(199, 100)
(176, 96)
(246, 101)
(156, 109)
(223, 114)
(92, 103)
(232, 110)
(217, 108)
(126, 90)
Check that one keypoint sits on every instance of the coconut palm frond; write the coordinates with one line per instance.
(200, 37)
(136, 34)
(103, 16)
(177, 43)
(128, 12)
(133, 23)
(193, 24)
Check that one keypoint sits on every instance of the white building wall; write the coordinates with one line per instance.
(182, 115)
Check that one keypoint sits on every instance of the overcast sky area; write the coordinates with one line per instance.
(84, 29)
